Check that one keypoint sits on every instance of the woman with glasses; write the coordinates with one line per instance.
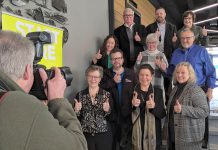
(200, 33)
(148, 110)
(102, 57)
(156, 59)
(93, 107)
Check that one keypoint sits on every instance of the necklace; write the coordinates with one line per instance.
(93, 100)
(93, 96)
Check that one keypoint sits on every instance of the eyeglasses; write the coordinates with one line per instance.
(118, 58)
(151, 42)
(93, 77)
(187, 18)
(186, 38)
(128, 15)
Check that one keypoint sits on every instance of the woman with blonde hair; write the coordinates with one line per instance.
(186, 111)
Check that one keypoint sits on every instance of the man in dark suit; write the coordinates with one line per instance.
(120, 82)
(166, 31)
(131, 37)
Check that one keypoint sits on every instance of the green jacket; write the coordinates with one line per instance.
(27, 124)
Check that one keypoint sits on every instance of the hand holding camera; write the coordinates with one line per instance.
(55, 87)
(39, 39)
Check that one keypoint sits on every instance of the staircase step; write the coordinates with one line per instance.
(213, 131)
(213, 139)
(214, 115)
(213, 120)
(213, 147)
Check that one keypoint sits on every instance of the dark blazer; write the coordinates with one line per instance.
(121, 113)
(168, 44)
(123, 41)
(103, 62)
(129, 81)
(159, 111)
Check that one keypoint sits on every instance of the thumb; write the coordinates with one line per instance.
(135, 94)
(177, 102)
(43, 76)
(76, 100)
(174, 34)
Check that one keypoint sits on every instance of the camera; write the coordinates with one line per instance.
(39, 39)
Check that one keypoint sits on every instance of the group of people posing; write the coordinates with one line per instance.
(127, 95)
(142, 75)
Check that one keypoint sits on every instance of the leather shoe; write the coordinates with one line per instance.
(204, 144)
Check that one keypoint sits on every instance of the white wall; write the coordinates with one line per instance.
(88, 26)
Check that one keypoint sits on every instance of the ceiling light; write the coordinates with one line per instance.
(206, 20)
(206, 7)
(212, 31)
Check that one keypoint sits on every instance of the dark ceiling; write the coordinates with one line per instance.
(175, 9)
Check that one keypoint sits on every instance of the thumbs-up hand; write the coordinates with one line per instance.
(106, 105)
(174, 39)
(161, 63)
(117, 78)
(98, 55)
(157, 32)
(158, 60)
(150, 104)
(135, 101)
(78, 105)
(139, 58)
(177, 107)
(204, 31)
(137, 37)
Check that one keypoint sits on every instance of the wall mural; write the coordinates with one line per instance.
(51, 12)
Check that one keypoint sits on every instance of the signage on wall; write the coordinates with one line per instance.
(52, 53)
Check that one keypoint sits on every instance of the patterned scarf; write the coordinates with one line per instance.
(149, 139)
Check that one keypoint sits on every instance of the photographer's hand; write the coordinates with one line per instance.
(55, 87)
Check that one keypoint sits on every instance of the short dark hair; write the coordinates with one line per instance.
(159, 8)
(146, 66)
(116, 50)
(189, 12)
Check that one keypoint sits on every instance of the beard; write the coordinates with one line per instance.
(160, 20)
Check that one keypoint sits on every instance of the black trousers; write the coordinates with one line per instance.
(99, 141)
(206, 133)
(122, 137)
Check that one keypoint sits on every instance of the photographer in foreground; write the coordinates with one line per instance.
(25, 122)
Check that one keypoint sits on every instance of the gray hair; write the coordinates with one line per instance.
(128, 9)
(186, 30)
(16, 52)
(152, 37)
(93, 68)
